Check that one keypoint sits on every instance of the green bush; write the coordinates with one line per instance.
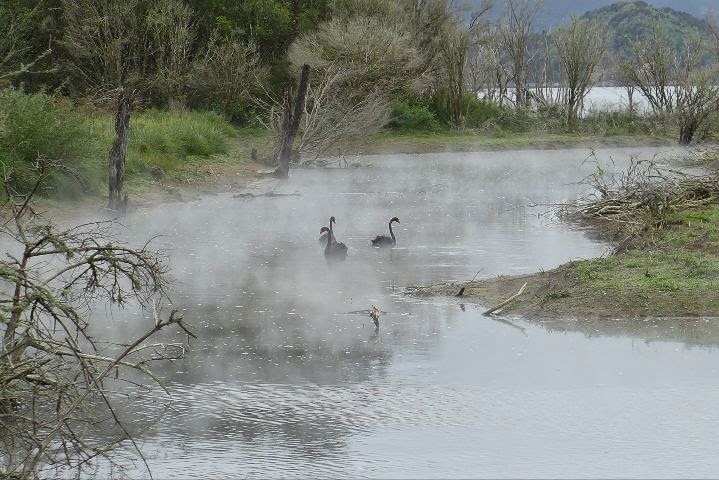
(39, 125)
(169, 139)
(478, 112)
(520, 120)
(413, 116)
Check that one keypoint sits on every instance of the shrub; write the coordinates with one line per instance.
(475, 112)
(39, 125)
(478, 112)
(519, 120)
(167, 139)
(413, 116)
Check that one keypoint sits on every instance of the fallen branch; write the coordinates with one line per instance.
(506, 302)
(269, 194)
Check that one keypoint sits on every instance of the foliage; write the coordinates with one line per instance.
(413, 116)
(226, 75)
(266, 23)
(20, 55)
(38, 125)
(167, 139)
(475, 112)
(143, 47)
(270, 25)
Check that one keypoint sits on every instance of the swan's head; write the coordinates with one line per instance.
(323, 230)
(394, 219)
(332, 220)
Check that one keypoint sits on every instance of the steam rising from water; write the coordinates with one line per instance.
(284, 382)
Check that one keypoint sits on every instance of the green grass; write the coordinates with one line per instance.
(418, 142)
(683, 257)
(169, 140)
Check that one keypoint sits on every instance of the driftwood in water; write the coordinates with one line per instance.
(373, 312)
(291, 122)
(506, 302)
(268, 194)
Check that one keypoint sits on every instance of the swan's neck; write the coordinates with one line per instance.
(391, 233)
(329, 239)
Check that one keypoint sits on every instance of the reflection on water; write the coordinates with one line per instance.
(285, 382)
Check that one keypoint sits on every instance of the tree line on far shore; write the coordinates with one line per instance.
(403, 64)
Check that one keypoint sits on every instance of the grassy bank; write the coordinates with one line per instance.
(178, 147)
(165, 148)
(170, 151)
(667, 268)
(417, 142)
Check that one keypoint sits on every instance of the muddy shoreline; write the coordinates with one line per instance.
(559, 295)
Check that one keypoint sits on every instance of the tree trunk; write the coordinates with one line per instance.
(295, 18)
(291, 122)
(118, 152)
(283, 158)
(686, 133)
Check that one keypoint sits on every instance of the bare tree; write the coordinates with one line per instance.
(51, 368)
(125, 50)
(678, 85)
(488, 65)
(652, 68)
(454, 46)
(580, 46)
(357, 64)
(454, 49)
(332, 117)
(515, 30)
(697, 95)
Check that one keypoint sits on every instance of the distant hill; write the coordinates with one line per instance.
(630, 20)
(556, 12)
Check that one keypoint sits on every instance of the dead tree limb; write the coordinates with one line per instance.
(506, 302)
(291, 122)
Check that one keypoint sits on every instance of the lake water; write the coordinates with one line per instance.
(284, 382)
(602, 99)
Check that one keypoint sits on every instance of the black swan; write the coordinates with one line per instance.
(324, 231)
(334, 250)
(384, 240)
